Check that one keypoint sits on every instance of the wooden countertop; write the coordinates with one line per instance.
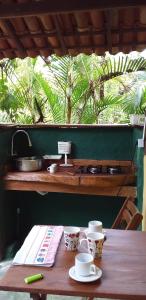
(68, 181)
(44, 176)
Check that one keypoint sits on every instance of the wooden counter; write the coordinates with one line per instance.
(66, 180)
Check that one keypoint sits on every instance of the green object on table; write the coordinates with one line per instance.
(33, 278)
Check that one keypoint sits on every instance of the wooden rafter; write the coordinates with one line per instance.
(75, 33)
(59, 34)
(43, 27)
(12, 35)
(45, 7)
(82, 47)
(108, 15)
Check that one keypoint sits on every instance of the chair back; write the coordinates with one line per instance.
(129, 217)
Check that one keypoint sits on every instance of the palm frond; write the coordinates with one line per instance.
(109, 100)
(54, 100)
(134, 102)
(116, 66)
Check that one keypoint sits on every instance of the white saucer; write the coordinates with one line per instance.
(89, 278)
(86, 231)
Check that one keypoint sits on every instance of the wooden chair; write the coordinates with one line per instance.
(129, 217)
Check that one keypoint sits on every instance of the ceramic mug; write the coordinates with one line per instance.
(52, 169)
(95, 226)
(84, 265)
(94, 243)
(71, 237)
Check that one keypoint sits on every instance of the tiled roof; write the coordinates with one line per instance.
(43, 27)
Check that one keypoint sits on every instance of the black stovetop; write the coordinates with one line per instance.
(98, 169)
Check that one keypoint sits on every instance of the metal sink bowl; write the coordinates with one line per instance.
(28, 164)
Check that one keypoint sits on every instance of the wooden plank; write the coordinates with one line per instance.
(59, 35)
(12, 35)
(27, 34)
(43, 176)
(69, 178)
(108, 25)
(61, 188)
(45, 7)
(105, 162)
(107, 180)
(22, 126)
(82, 47)
(68, 181)
(125, 191)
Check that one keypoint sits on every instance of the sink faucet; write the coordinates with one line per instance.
(12, 143)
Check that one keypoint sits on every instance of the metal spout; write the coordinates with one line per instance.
(12, 143)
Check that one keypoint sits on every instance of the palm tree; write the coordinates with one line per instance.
(67, 89)
(82, 83)
(67, 83)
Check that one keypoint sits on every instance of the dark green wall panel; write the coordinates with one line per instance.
(95, 143)
(7, 204)
(68, 209)
(138, 158)
(65, 209)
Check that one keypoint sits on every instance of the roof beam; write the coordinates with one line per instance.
(76, 46)
(108, 15)
(68, 34)
(60, 37)
(45, 7)
(12, 35)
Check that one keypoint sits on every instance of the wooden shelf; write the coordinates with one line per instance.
(66, 180)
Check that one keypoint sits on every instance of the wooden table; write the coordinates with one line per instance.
(123, 264)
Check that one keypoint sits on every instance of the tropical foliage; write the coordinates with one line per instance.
(83, 89)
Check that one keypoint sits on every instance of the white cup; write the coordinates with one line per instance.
(52, 169)
(84, 265)
(94, 243)
(95, 226)
(71, 238)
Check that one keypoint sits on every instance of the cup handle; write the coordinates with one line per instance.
(48, 169)
(93, 270)
(83, 240)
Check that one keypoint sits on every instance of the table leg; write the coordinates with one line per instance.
(43, 297)
(38, 296)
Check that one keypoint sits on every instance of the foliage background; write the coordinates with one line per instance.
(78, 90)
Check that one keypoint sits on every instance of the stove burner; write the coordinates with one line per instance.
(89, 169)
(98, 170)
(114, 170)
(95, 169)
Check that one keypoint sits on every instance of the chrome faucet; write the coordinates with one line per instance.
(12, 143)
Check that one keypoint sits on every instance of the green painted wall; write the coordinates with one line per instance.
(68, 209)
(138, 154)
(7, 204)
(65, 209)
(92, 143)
